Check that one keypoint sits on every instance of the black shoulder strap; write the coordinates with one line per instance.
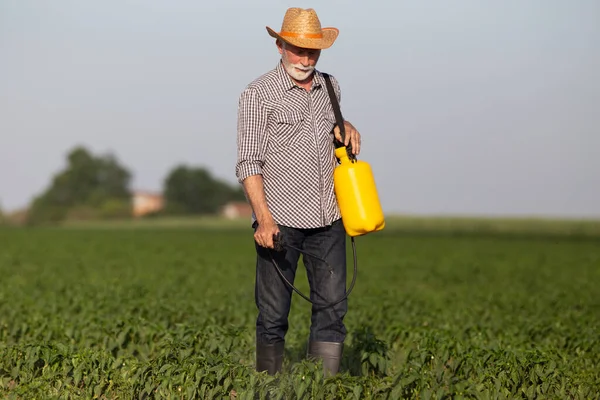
(338, 115)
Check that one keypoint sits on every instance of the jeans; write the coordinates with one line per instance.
(273, 295)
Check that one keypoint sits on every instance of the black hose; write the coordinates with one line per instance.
(278, 246)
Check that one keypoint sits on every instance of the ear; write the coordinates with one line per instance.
(280, 45)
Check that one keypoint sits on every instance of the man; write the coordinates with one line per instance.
(285, 162)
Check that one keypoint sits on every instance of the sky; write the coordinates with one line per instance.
(464, 107)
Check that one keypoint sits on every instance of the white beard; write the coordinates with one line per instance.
(299, 74)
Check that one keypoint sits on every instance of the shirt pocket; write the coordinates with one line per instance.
(287, 130)
(327, 122)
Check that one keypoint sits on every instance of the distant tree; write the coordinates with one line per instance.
(194, 190)
(89, 185)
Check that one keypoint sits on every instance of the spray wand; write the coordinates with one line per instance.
(279, 244)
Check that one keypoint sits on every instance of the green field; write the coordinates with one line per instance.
(441, 309)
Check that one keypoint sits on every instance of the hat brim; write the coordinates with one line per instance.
(325, 42)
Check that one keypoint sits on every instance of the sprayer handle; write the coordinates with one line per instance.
(278, 242)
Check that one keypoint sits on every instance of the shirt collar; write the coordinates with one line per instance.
(287, 83)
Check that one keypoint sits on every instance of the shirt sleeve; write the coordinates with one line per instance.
(251, 131)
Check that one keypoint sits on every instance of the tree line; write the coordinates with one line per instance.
(98, 187)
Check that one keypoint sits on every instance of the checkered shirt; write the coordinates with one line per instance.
(285, 133)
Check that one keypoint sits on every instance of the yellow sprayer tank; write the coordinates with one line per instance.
(357, 195)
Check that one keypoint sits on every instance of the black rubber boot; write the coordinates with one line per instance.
(269, 357)
(329, 352)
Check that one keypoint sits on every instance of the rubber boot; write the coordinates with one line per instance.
(329, 352)
(269, 357)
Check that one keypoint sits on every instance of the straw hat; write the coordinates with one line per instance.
(302, 28)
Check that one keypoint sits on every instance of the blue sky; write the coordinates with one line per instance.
(465, 107)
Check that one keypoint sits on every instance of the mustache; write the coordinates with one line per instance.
(302, 67)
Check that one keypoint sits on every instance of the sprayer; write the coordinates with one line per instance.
(357, 197)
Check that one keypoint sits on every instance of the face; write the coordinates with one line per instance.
(298, 62)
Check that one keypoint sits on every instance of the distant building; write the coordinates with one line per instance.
(237, 209)
(17, 217)
(146, 203)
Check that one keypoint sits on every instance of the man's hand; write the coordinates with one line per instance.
(352, 136)
(265, 232)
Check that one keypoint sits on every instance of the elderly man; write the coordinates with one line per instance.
(285, 162)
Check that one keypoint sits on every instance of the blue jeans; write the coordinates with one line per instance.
(273, 295)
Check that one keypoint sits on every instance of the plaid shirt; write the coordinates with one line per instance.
(285, 133)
